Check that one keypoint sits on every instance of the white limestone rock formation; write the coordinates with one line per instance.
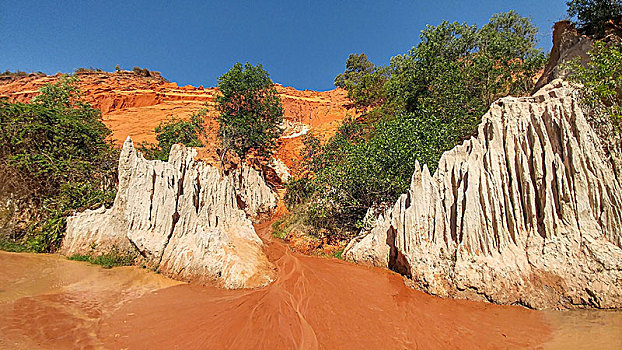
(184, 217)
(281, 169)
(371, 247)
(252, 191)
(528, 211)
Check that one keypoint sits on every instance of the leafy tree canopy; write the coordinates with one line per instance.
(250, 111)
(363, 80)
(173, 131)
(424, 103)
(593, 14)
(499, 59)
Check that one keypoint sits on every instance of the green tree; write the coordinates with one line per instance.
(602, 84)
(433, 98)
(507, 45)
(250, 112)
(487, 63)
(363, 80)
(351, 173)
(508, 35)
(593, 14)
(187, 132)
(56, 158)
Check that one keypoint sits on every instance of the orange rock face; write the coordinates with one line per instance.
(133, 106)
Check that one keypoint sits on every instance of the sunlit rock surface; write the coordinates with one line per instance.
(184, 217)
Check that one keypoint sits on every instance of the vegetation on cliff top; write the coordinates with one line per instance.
(54, 159)
(592, 15)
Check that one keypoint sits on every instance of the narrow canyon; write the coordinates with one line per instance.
(514, 241)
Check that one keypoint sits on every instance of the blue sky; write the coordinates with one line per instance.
(301, 43)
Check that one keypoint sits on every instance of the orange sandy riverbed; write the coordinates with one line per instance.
(48, 302)
(316, 303)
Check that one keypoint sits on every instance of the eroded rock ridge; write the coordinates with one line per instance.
(528, 211)
(184, 217)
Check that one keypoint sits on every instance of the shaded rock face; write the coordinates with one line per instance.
(184, 217)
(375, 244)
(528, 211)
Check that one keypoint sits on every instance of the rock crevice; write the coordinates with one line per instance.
(183, 217)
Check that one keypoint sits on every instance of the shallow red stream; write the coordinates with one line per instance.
(316, 303)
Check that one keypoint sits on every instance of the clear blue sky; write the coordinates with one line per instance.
(301, 43)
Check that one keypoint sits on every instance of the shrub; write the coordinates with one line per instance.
(602, 83)
(296, 221)
(352, 173)
(187, 132)
(143, 72)
(87, 70)
(108, 260)
(59, 160)
(17, 74)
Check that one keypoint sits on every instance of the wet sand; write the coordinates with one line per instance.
(48, 302)
(585, 329)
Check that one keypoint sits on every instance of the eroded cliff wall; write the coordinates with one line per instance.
(184, 217)
(528, 211)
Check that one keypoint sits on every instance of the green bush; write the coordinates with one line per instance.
(338, 254)
(187, 132)
(277, 230)
(59, 160)
(352, 173)
(295, 222)
(9, 245)
(108, 260)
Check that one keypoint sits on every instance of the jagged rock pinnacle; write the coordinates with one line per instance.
(184, 217)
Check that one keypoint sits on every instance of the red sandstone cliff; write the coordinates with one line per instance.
(133, 105)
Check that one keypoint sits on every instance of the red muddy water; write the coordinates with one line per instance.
(316, 303)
